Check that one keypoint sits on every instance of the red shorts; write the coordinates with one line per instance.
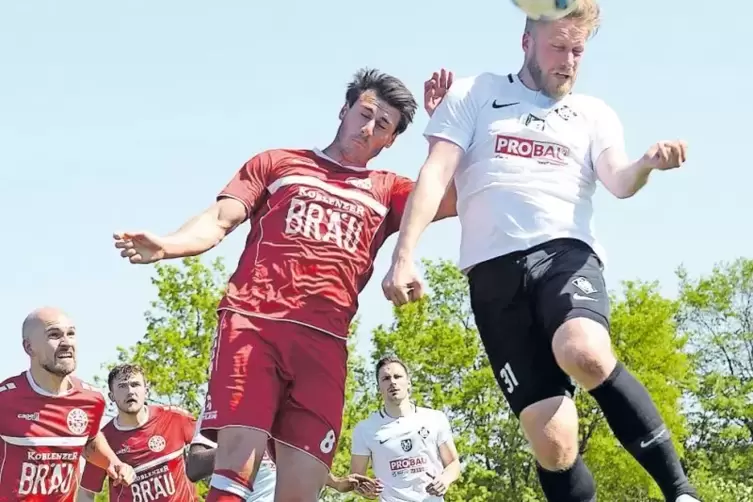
(280, 377)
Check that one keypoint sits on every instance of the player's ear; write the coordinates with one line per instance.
(111, 396)
(27, 347)
(525, 42)
(343, 111)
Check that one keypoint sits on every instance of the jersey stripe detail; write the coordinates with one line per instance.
(46, 441)
(157, 461)
(311, 181)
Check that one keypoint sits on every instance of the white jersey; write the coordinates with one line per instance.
(404, 451)
(266, 477)
(527, 176)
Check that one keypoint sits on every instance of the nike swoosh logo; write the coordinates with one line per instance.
(646, 444)
(581, 297)
(382, 442)
(504, 105)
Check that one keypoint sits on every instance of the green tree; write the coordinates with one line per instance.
(717, 315)
(181, 322)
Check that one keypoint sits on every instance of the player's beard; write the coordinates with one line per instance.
(60, 367)
(547, 85)
(128, 410)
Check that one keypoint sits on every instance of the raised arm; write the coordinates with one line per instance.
(449, 132)
(234, 205)
(621, 176)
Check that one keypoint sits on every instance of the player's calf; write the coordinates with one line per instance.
(300, 476)
(239, 453)
(551, 427)
(582, 349)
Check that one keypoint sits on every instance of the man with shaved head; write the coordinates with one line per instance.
(51, 418)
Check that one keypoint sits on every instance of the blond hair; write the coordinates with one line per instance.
(586, 13)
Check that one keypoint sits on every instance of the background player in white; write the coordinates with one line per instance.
(410, 448)
(200, 465)
(525, 154)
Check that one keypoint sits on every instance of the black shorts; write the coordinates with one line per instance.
(520, 299)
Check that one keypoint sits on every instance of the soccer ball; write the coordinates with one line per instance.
(546, 9)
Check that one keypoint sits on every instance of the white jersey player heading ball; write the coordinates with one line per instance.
(410, 447)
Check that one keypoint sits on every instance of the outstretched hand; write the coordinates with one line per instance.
(140, 247)
(435, 89)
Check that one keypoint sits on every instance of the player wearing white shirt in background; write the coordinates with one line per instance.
(525, 154)
(410, 448)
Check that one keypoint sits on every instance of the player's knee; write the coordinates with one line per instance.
(551, 427)
(240, 450)
(583, 350)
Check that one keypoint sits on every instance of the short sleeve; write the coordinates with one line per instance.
(98, 414)
(199, 438)
(93, 478)
(359, 444)
(607, 132)
(455, 117)
(444, 431)
(401, 190)
(185, 421)
(249, 184)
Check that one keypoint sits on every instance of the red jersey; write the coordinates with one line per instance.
(316, 227)
(43, 438)
(155, 451)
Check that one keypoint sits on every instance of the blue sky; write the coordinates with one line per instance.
(130, 115)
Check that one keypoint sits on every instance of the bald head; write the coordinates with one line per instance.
(40, 318)
(49, 338)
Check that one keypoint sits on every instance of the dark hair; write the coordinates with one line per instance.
(389, 359)
(123, 371)
(388, 88)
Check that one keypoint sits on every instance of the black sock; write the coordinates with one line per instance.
(575, 484)
(635, 421)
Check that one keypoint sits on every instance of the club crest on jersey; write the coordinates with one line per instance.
(406, 444)
(77, 421)
(584, 285)
(565, 112)
(424, 433)
(364, 184)
(157, 443)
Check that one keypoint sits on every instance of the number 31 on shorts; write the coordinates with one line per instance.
(509, 378)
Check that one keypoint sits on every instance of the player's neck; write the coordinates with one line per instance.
(527, 80)
(401, 409)
(133, 420)
(49, 382)
(334, 152)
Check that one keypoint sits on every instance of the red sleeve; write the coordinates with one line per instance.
(401, 189)
(93, 478)
(188, 425)
(250, 183)
(98, 413)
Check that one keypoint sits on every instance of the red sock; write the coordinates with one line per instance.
(216, 495)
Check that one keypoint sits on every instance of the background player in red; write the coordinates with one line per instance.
(51, 418)
(318, 218)
(152, 438)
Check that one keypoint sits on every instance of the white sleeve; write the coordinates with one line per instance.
(359, 445)
(444, 431)
(199, 438)
(455, 117)
(607, 133)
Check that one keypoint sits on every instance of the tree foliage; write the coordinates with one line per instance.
(693, 353)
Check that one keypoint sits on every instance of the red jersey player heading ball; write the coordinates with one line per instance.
(318, 218)
(51, 418)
